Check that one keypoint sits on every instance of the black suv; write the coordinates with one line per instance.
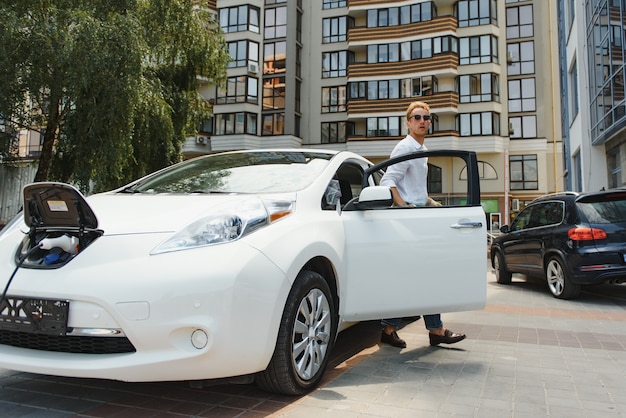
(570, 239)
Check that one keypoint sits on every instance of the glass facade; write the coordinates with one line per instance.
(605, 20)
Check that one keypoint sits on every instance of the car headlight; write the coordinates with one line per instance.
(227, 224)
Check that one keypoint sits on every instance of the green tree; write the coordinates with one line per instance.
(111, 83)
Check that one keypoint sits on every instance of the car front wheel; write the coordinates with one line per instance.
(503, 276)
(558, 281)
(305, 338)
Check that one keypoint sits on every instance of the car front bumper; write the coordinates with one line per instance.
(206, 313)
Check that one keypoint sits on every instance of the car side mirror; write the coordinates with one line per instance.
(504, 229)
(374, 197)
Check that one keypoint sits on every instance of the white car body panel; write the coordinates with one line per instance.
(383, 263)
(401, 268)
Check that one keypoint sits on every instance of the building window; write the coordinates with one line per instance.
(476, 124)
(335, 64)
(273, 124)
(274, 58)
(571, 13)
(522, 127)
(521, 58)
(476, 12)
(434, 179)
(334, 4)
(407, 51)
(419, 86)
(615, 168)
(239, 19)
(334, 132)
(243, 53)
(383, 126)
(485, 172)
(478, 49)
(393, 89)
(206, 127)
(334, 29)
(273, 93)
(236, 123)
(519, 22)
(240, 89)
(572, 85)
(478, 88)
(394, 16)
(275, 22)
(334, 99)
(270, 2)
(522, 95)
(383, 53)
(523, 172)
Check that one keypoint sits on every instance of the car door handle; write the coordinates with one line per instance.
(463, 225)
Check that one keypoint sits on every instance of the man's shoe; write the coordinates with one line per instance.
(392, 339)
(449, 337)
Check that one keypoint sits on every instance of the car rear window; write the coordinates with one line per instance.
(604, 208)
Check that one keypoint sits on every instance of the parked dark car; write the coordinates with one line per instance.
(570, 239)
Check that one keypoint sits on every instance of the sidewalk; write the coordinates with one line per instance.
(526, 354)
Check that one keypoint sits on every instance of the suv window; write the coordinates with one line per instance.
(540, 214)
(544, 214)
(604, 212)
(522, 219)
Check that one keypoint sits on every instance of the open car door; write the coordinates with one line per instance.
(406, 261)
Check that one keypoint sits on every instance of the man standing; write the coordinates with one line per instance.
(407, 181)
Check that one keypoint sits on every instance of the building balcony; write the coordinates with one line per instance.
(441, 62)
(446, 99)
(366, 35)
(389, 3)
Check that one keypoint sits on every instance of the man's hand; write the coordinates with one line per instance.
(432, 202)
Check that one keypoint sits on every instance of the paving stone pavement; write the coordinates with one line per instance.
(526, 354)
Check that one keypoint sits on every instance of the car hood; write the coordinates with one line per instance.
(120, 213)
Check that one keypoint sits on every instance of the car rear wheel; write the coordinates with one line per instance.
(306, 336)
(503, 276)
(558, 281)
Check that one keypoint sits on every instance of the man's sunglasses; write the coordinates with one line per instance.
(419, 117)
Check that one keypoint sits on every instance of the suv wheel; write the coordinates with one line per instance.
(503, 276)
(558, 281)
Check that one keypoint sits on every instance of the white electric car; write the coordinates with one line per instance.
(238, 265)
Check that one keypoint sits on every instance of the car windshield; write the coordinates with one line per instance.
(239, 172)
(604, 209)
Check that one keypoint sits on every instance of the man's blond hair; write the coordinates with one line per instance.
(415, 105)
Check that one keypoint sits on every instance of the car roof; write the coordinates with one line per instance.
(576, 196)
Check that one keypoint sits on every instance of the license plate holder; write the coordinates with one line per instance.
(34, 316)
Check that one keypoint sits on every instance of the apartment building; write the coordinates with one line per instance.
(339, 74)
(592, 39)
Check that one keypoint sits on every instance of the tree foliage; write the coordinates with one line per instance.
(112, 84)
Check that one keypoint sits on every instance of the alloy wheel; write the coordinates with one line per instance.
(311, 334)
(555, 277)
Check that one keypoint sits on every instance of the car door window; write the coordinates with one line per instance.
(546, 214)
(522, 221)
(554, 213)
(345, 186)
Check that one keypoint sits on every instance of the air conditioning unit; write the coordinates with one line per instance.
(515, 205)
(253, 68)
(202, 140)
(509, 57)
